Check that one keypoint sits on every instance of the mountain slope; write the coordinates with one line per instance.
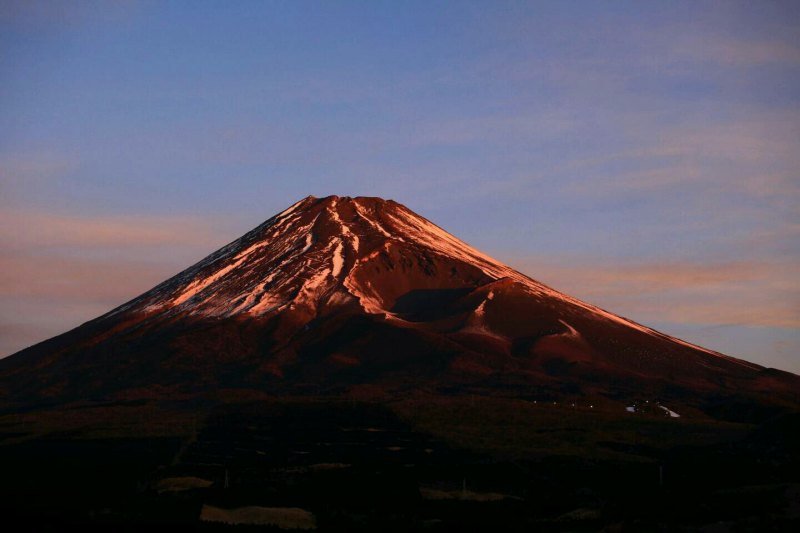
(341, 295)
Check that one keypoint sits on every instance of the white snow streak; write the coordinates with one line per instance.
(672, 413)
(572, 332)
(476, 324)
(291, 209)
(198, 285)
(338, 258)
(309, 242)
(349, 235)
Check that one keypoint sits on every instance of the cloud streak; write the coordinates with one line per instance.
(57, 271)
(59, 279)
(748, 293)
(27, 228)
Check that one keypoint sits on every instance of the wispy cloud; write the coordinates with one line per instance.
(748, 293)
(739, 173)
(743, 52)
(15, 336)
(18, 169)
(58, 279)
(59, 270)
(29, 228)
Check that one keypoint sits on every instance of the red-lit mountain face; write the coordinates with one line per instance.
(343, 295)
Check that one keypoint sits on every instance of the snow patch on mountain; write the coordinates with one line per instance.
(338, 259)
(672, 414)
(476, 322)
(571, 332)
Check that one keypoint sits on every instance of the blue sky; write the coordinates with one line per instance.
(642, 156)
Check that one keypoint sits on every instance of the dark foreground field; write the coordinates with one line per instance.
(423, 464)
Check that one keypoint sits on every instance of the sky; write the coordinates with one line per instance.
(642, 156)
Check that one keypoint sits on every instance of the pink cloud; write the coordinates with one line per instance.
(740, 292)
(740, 52)
(24, 168)
(34, 229)
(61, 279)
(58, 270)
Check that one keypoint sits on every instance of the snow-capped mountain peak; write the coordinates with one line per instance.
(340, 291)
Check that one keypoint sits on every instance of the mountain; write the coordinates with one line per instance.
(362, 297)
(350, 366)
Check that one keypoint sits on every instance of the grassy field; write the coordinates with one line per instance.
(418, 464)
(516, 429)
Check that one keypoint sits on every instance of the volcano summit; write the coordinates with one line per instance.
(337, 295)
